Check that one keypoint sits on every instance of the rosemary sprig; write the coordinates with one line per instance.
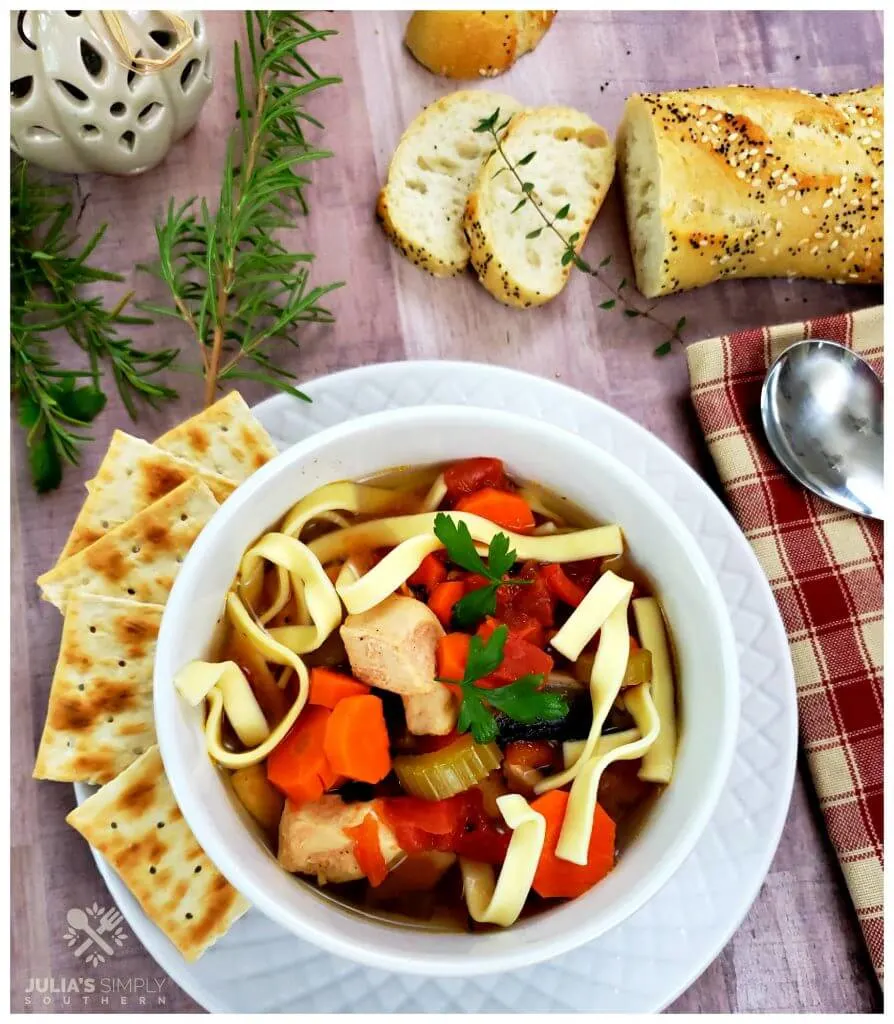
(234, 284)
(493, 127)
(46, 281)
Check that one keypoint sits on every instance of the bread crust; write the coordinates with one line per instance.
(474, 44)
(499, 263)
(448, 122)
(753, 182)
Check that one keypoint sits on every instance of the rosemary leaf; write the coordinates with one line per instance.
(230, 279)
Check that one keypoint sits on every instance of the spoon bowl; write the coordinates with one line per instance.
(822, 409)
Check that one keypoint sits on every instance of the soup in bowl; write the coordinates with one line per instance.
(452, 717)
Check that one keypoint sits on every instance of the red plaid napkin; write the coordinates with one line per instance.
(825, 567)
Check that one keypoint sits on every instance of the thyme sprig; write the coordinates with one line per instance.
(230, 279)
(54, 402)
(494, 127)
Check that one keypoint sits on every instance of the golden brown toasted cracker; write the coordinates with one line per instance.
(224, 438)
(140, 558)
(133, 475)
(136, 825)
(99, 718)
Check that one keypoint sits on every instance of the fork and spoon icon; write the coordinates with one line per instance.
(79, 921)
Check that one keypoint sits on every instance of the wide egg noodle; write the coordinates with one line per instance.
(501, 902)
(323, 605)
(598, 542)
(326, 503)
(436, 494)
(572, 749)
(199, 679)
(658, 762)
(577, 828)
(366, 591)
(606, 677)
(587, 619)
(325, 611)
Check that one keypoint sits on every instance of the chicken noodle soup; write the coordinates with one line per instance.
(443, 694)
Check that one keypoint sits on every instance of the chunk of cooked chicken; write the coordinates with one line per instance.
(433, 713)
(312, 839)
(393, 646)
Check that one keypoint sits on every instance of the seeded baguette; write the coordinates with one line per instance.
(430, 175)
(573, 165)
(746, 182)
(469, 44)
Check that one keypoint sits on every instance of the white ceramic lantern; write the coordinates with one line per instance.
(80, 102)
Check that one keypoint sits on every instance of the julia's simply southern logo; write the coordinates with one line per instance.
(125, 993)
(94, 933)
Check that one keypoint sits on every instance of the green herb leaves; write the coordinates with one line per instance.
(230, 278)
(48, 274)
(460, 548)
(521, 700)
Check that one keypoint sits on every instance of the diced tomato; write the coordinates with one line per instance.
(520, 658)
(564, 588)
(456, 825)
(430, 573)
(473, 474)
(531, 600)
(482, 838)
(425, 824)
(583, 573)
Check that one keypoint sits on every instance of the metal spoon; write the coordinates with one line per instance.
(822, 408)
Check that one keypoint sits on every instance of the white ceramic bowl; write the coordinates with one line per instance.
(568, 465)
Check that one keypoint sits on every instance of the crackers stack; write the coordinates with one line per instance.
(144, 509)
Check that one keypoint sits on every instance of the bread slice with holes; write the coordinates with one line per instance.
(433, 168)
(518, 259)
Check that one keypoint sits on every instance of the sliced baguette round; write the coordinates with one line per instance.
(573, 164)
(430, 175)
(469, 44)
(753, 182)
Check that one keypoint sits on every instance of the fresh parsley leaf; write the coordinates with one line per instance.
(500, 559)
(485, 656)
(522, 700)
(663, 349)
(475, 717)
(527, 158)
(474, 606)
(460, 547)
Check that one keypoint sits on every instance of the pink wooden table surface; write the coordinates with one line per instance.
(799, 948)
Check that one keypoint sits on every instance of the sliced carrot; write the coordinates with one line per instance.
(565, 589)
(368, 850)
(443, 599)
(356, 739)
(430, 573)
(501, 507)
(298, 766)
(327, 687)
(453, 653)
(555, 877)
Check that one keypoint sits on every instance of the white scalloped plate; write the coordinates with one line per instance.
(645, 963)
